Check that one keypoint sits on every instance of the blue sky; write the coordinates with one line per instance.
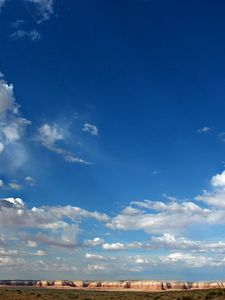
(112, 139)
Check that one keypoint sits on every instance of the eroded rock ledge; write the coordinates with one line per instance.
(151, 285)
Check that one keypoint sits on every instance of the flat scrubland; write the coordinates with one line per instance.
(60, 294)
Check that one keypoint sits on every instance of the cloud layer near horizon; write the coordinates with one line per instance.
(53, 229)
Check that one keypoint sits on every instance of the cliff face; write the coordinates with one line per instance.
(151, 285)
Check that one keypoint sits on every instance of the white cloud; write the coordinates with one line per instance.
(62, 238)
(60, 222)
(9, 261)
(4, 252)
(30, 180)
(218, 180)
(95, 242)
(12, 126)
(15, 203)
(174, 216)
(140, 260)
(2, 147)
(1, 183)
(15, 186)
(59, 227)
(170, 241)
(40, 253)
(31, 244)
(32, 35)
(204, 129)
(92, 129)
(170, 217)
(215, 197)
(95, 268)
(94, 256)
(113, 246)
(49, 135)
(7, 100)
(187, 259)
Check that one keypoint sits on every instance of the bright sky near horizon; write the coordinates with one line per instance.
(112, 139)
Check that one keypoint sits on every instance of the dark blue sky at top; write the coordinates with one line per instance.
(149, 74)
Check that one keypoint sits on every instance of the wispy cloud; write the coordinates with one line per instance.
(92, 129)
(49, 135)
(221, 136)
(204, 129)
(45, 9)
(32, 35)
(18, 23)
(156, 172)
(30, 180)
(15, 185)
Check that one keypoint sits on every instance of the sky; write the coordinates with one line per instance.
(112, 139)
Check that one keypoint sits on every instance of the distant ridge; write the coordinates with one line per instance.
(151, 285)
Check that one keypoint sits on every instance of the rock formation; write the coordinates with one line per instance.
(150, 285)
(126, 284)
(94, 284)
(112, 284)
(61, 283)
(78, 283)
(147, 285)
(44, 283)
(177, 285)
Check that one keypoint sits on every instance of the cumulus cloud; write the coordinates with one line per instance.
(216, 196)
(94, 256)
(62, 221)
(12, 125)
(32, 35)
(31, 244)
(60, 226)
(95, 242)
(92, 129)
(13, 185)
(170, 217)
(113, 246)
(173, 215)
(218, 180)
(7, 103)
(188, 259)
(49, 135)
(95, 268)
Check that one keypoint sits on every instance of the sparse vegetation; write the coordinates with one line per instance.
(60, 294)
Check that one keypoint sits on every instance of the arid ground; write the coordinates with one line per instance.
(60, 294)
